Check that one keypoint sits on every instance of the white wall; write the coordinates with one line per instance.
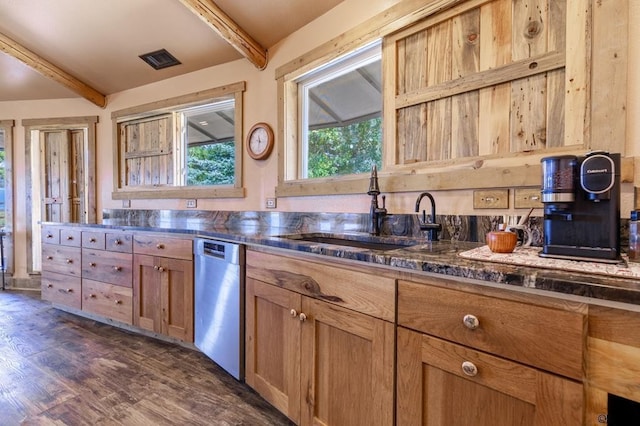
(260, 104)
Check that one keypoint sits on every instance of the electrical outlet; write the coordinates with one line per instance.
(271, 203)
(191, 204)
(126, 204)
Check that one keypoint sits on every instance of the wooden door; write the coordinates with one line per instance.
(273, 345)
(63, 176)
(444, 384)
(347, 367)
(147, 293)
(176, 289)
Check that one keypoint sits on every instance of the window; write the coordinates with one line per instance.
(340, 109)
(186, 147)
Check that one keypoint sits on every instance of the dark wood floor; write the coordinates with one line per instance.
(60, 369)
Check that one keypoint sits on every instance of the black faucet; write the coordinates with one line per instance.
(431, 226)
(376, 213)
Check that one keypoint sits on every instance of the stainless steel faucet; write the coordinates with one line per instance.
(376, 213)
(431, 226)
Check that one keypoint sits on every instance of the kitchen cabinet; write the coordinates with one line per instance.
(107, 275)
(465, 358)
(310, 349)
(61, 266)
(163, 285)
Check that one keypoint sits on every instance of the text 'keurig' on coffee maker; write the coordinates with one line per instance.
(581, 197)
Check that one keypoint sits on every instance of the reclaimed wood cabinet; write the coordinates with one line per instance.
(61, 266)
(311, 350)
(163, 285)
(465, 358)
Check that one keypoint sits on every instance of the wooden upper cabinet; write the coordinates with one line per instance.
(488, 78)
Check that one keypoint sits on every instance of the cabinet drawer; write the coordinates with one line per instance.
(362, 292)
(154, 245)
(548, 338)
(119, 241)
(60, 259)
(70, 237)
(108, 267)
(108, 300)
(61, 289)
(93, 240)
(50, 235)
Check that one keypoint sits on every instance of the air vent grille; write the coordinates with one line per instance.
(160, 59)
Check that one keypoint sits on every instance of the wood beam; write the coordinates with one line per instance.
(49, 70)
(221, 23)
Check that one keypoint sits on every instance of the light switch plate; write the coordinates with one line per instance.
(191, 204)
(526, 198)
(491, 199)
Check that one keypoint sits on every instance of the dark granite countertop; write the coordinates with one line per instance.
(441, 257)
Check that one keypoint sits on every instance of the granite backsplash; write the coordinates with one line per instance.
(454, 227)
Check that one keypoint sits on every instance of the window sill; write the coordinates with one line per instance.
(178, 193)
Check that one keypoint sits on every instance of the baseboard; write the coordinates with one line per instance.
(31, 283)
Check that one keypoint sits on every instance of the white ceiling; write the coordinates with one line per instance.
(99, 41)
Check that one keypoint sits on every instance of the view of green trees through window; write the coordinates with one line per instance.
(211, 164)
(345, 150)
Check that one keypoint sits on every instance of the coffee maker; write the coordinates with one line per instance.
(581, 197)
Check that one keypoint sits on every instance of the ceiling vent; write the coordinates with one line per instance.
(160, 59)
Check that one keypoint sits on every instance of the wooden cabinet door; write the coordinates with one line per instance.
(347, 367)
(444, 384)
(176, 289)
(147, 293)
(273, 345)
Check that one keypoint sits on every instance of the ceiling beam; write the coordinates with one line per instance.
(49, 70)
(215, 18)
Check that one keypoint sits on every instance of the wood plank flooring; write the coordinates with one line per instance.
(60, 369)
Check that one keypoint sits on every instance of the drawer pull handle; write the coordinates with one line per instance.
(69, 237)
(294, 313)
(49, 285)
(69, 290)
(302, 317)
(49, 235)
(160, 246)
(92, 264)
(471, 321)
(69, 260)
(117, 268)
(118, 302)
(117, 242)
(93, 296)
(92, 240)
(469, 368)
(49, 257)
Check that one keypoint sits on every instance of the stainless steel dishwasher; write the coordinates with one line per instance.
(219, 303)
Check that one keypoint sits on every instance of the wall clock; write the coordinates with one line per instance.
(260, 141)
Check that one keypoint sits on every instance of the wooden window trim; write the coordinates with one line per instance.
(7, 126)
(588, 56)
(140, 112)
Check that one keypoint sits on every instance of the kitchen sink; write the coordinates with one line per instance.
(363, 241)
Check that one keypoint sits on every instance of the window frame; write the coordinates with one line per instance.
(176, 105)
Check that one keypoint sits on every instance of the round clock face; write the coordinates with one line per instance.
(260, 141)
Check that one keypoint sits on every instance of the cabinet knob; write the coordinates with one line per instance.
(160, 246)
(294, 313)
(49, 235)
(69, 260)
(69, 237)
(92, 264)
(117, 242)
(118, 302)
(471, 321)
(49, 285)
(302, 317)
(469, 368)
(161, 268)
(69, 290)
(93, 296)
(49, 257)
(92, 240)
(117, 268)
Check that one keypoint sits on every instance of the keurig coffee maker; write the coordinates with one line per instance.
(581, 197)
